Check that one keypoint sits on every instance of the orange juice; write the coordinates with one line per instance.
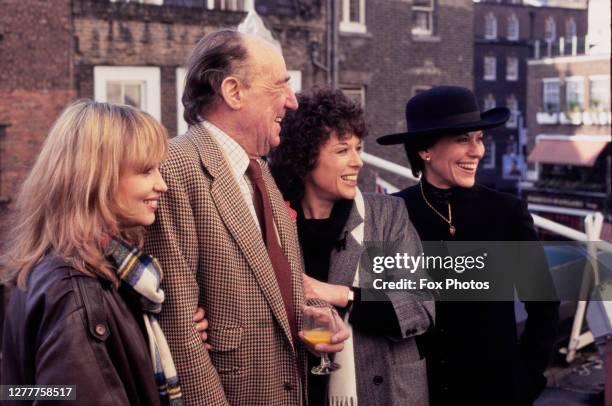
(318, 336)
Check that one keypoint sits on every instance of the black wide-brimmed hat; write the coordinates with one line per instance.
(445, 110)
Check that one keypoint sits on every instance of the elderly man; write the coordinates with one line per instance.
(225, 238)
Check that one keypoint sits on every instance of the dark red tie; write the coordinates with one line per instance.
(281, 266)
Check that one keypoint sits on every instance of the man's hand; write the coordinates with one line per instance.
(336, 295)
(337, 339)
(201, 326)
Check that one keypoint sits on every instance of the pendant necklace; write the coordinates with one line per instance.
(449, 220)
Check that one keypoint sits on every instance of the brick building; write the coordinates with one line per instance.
(31, 94)
(506, 34)
(569, 130)
(133, 51)
(129, 52)
(390, 50)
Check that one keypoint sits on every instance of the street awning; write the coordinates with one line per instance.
(579, 151)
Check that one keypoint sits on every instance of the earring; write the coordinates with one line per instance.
(428, 158)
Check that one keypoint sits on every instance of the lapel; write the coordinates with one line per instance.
(235, 214)
(343, 263)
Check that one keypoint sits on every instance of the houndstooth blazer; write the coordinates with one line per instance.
(213, 256)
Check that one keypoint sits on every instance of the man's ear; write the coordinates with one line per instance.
(231, 92)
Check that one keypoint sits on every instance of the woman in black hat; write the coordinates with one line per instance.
(474, 356)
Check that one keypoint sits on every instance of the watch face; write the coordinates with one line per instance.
(351, 295)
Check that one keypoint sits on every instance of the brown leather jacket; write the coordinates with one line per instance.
(71, 329)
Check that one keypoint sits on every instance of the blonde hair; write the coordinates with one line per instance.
(67, 204)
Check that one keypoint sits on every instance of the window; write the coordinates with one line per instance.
(230, 5)
(512, 68)
(422, 17)
(353, 16)
(550, 95)
(488, 160)
(130, 92)
(512, 104)
(489, 102)
(138, 86)
(513, 28)
(355, 93)
(490, 26)
(295, 80)
(490, 68)
(550, 30)
(181, 124)
(511, 145)
(570, 29)
(574, 93)
(599, 93)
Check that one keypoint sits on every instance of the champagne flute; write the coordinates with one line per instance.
(319, 327)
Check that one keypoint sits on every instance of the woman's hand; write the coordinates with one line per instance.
(336, 295)
(337, 341)
(201, 326)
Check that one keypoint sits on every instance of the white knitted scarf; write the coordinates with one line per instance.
(343, 382)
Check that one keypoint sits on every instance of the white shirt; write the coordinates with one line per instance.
(238, 161)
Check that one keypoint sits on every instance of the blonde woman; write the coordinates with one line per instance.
(84, 311)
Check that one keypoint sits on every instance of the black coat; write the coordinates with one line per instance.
(474, 355)
(71, 329)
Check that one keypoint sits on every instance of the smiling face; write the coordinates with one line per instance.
(138, 196)
(453, 160)
(266, 99)
(334, 176)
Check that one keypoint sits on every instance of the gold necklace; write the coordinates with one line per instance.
(449, 220)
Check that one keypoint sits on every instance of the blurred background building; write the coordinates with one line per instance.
(380, 53)
(568, 125)
(506, 34)
(548, 61)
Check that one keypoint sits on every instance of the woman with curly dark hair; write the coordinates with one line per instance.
(316, 167)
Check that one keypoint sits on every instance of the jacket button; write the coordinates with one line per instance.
(100, 329)
(378, 380)
(287, 386)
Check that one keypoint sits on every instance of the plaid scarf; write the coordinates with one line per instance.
(142, 274)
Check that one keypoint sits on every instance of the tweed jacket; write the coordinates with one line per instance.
(390, 370)
(213, 256)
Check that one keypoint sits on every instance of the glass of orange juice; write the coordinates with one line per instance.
(319, 327)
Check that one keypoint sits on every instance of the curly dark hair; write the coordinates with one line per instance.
(304, 131)
(218, 55)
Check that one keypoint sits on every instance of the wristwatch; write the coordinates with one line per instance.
(350, 298)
